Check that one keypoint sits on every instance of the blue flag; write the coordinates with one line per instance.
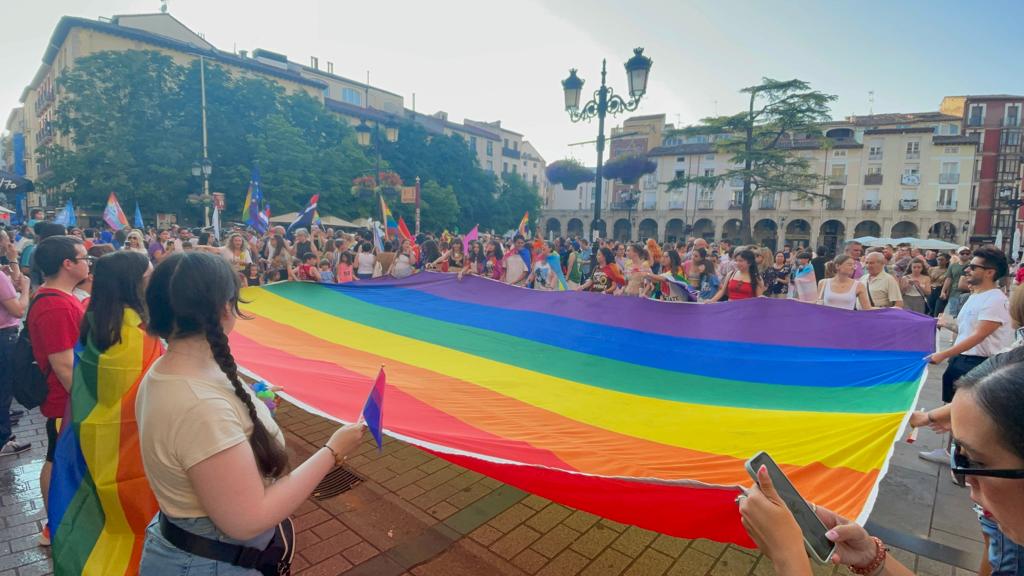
(138, 216)
(66, 217)
(305, 220)
(373, 410)
(258, 220)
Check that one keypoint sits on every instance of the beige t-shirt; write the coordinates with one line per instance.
(884, 289)
(183, 421)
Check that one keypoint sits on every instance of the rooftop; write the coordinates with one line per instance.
(898, 118)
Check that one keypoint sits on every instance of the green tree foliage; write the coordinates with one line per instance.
(759, 141)
(439, 207)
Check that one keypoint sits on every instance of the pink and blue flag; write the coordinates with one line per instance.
(373, 410)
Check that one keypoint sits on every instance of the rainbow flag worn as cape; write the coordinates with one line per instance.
(100, 500)
(645, 415)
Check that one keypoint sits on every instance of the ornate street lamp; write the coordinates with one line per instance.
(363, 133)
(605, 102)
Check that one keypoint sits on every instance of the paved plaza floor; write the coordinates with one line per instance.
(415, 514)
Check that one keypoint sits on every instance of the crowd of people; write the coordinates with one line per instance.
(215, 460)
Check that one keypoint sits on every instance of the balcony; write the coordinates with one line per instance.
(875, 157)
(43, 101)
(705, 204)
(949, 178)
(837, 179)
(675, 204)
(946, 206)
(510, 153)
(911, 180)
(908, 204)
(873, 179)
(767, 202)
(1010, 123)
(735, 205)
(736, 182)
(871, 205)
(835, 203)
(913, 155)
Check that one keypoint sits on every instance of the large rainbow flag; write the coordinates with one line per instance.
(640, 411)
(100, 501)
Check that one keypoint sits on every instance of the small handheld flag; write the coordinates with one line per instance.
(305, 219)
(472, 235)
(387, 218)
(404, 230)
(523, 223)
(138, 217)
(373, 410)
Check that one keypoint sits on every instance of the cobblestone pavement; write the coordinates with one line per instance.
(415, 514)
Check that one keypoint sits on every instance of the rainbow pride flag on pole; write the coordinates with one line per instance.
(388, 219)
(100, 500)
(645, 416)
(113, 215)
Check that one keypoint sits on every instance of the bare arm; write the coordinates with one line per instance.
(862, 297)
(16, 306)
(721, 289)
(984, 330)
(63, 365)
(230, 489)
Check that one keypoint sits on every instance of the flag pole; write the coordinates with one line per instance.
(417, 205)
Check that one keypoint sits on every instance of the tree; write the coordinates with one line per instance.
(760, 141)
(439, 208)
(516, 198)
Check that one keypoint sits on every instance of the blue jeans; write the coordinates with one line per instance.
(8, 337)
(1004, 555)
(161, 558)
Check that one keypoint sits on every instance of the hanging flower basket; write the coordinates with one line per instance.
(628, 169)
(364, 186)
(568, 173)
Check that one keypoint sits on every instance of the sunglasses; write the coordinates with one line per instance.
(965, 253)
(960, 467)
(973, 267)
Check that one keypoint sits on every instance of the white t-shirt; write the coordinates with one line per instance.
(365, 262)
(990, 305)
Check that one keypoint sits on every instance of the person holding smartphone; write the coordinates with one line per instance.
(987, 455)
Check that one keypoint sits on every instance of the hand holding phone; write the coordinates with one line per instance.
(776, 515)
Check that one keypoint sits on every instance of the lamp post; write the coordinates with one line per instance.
(202, 169)
(632, 198)
(605, 102)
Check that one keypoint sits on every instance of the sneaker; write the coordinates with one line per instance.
(44, 536)
(938, 456)
(12, 447)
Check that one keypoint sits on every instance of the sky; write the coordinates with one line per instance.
(488, 60)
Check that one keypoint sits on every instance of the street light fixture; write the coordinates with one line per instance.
(605, 102)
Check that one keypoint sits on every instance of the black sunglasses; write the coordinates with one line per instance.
(960, 467)
(973, 267)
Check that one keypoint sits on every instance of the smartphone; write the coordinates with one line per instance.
(819, 547)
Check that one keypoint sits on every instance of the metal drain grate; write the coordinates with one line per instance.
(337, 481)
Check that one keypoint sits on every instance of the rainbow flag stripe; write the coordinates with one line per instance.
(643, 412)
(100, 501)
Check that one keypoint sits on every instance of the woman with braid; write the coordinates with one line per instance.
(213, 455)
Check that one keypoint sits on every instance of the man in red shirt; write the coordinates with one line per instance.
(54, 318)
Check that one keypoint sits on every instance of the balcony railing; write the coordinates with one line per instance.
(873, 179)
(707, 204)
(735, 205)
(834, 203)
(913, 155)
(839, 179)
(949, 178)
(908, 204)
(871, 205)
(675, 204)
(946, 206)
(801, 204)
(1011, 122)
(874, 157)
(910, 180)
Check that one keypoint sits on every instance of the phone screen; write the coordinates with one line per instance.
(810, 525)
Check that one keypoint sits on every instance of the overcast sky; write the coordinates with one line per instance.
(488, 60)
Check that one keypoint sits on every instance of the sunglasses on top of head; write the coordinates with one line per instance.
(960, 466)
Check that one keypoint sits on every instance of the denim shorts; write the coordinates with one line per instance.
(161, 558)
(1004, 555)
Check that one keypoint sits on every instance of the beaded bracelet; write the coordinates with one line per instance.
(881, 552)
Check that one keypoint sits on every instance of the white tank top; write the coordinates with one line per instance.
(845, 300)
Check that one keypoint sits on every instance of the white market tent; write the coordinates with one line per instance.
(924, 244)
(327, 220)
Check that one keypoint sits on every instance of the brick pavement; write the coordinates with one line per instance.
(415, 514)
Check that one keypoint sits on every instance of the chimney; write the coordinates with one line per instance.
(314, 62)
(330, 67)
(441, 115)
(243, 53)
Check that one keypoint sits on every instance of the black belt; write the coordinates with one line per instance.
(235, 554)
(9, 329)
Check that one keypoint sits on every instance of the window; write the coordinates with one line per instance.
(875, 169)
(1012, 115)
(913, 149)
(977, 115)
(838, 153)
(709, 157)
(515, 145)
(490, 148)
(1011, 138)
(871, 196)
(681, 159)
(950, 173)
(951, 150)
(875, 152)
(709, 172)
(504, 169)
(908, 194)
(952, 129)
(506, 142)
(534, 179)
(472, 143)
(912, 170)
(351, 96)
(675, 200)
(515, 169)
(680, 174)
(950, 167)
(947, 198)
(490, 165)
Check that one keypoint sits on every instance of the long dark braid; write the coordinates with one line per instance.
(271, 459)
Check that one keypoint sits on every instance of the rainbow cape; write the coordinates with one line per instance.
(640, 411)
(100, 500)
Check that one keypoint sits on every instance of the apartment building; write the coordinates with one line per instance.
(885, 175)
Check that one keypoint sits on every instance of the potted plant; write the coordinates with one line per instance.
(568, 173)
(364, 186)
(629, 168)
(390, 183)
